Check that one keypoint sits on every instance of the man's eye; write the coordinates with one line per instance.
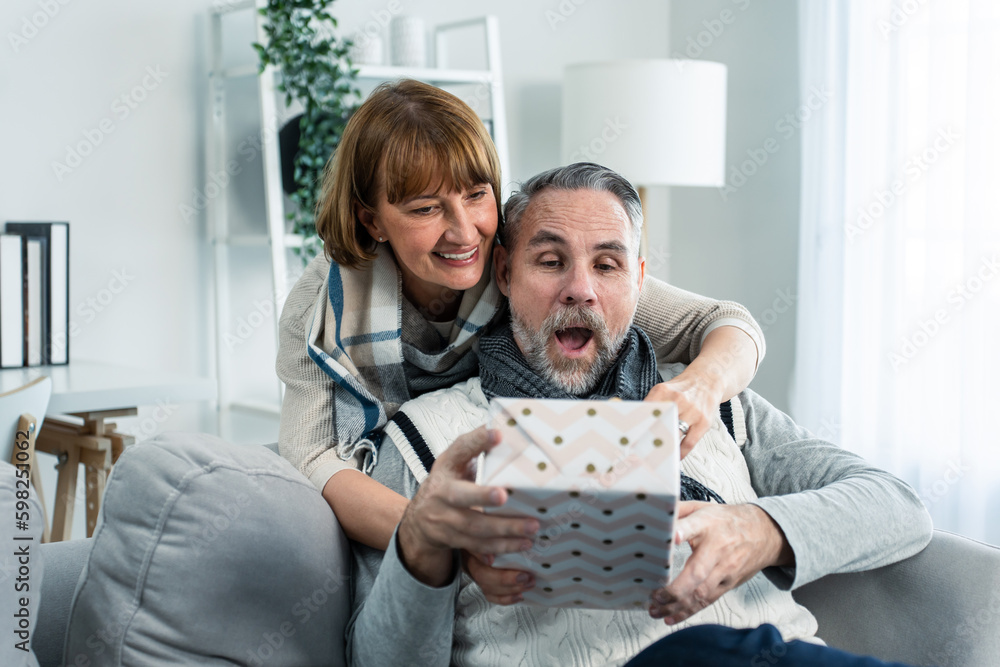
(605, 268)
(551, 263)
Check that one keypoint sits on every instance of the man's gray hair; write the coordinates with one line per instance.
(578, 176)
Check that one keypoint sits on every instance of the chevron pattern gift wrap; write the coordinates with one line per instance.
(603, 478)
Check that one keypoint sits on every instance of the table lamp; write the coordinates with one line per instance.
(656, 122)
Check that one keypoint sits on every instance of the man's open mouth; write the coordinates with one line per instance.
(574, 339)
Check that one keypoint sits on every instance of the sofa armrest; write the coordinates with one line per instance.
(940, 607)
(63, 563)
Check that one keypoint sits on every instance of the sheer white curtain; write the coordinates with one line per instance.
(898, 355)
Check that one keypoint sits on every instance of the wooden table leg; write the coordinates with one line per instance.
(96, 444)
(62, 513)
(97, 464)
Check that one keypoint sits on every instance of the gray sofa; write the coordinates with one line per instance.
(940, 607)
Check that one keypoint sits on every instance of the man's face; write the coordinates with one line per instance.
(573, 281)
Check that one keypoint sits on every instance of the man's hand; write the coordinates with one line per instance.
(729, 545)
(697, 403)
(499, 586)
(442, 516)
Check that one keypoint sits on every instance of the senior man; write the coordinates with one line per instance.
(796, 508)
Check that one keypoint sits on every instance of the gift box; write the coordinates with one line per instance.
(603, 479)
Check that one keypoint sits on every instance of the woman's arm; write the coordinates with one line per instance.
(678, 323)
(719, 340)
(366, 510)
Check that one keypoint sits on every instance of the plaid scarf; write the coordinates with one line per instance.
(503, 371)
(381, 352)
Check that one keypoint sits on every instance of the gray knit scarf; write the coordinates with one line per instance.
(503, 371)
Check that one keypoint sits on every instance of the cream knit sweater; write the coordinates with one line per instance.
(487, 634)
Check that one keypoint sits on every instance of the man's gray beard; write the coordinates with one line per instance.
(574, 376)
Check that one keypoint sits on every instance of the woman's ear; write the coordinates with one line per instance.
(501, 267)
(367, 220)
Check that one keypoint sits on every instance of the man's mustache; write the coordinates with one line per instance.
(575, 316)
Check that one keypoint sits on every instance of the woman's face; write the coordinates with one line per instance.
(441, 241)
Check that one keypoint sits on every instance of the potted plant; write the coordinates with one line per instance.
(315, 70)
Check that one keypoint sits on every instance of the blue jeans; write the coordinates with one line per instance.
(719, 646)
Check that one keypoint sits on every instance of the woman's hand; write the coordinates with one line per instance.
(697, 404)
(499, 586)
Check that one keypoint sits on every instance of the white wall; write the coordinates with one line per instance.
(137, 158)
(741, 243)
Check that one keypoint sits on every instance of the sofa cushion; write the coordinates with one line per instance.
(211, 553)
(20, 566)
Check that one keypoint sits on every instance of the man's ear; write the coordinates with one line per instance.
(642, 271)
(367, 220)
(501, 267)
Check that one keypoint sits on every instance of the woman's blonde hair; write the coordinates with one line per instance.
(405, 134)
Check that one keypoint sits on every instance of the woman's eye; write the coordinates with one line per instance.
(551, 263)
(478, 194)
(423, 210)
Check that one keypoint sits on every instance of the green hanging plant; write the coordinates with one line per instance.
(314, 69)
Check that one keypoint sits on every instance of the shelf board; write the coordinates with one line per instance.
(240, 71)
(429, 74)
(291, 240)
(263, 407)
(230, 6)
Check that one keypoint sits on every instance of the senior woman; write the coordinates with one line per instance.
(408, 214)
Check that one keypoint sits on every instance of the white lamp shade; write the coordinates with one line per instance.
(657, 122)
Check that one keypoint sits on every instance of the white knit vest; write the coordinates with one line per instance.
(489, 635)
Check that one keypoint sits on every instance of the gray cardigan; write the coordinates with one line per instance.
(839, 514)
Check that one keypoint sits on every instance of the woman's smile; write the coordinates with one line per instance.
(459, 258)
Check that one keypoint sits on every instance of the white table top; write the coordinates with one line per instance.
(82, 386)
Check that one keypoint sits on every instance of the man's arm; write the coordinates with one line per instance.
(821, 510)
(838, 512)
(404, 611)
(402, 620)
